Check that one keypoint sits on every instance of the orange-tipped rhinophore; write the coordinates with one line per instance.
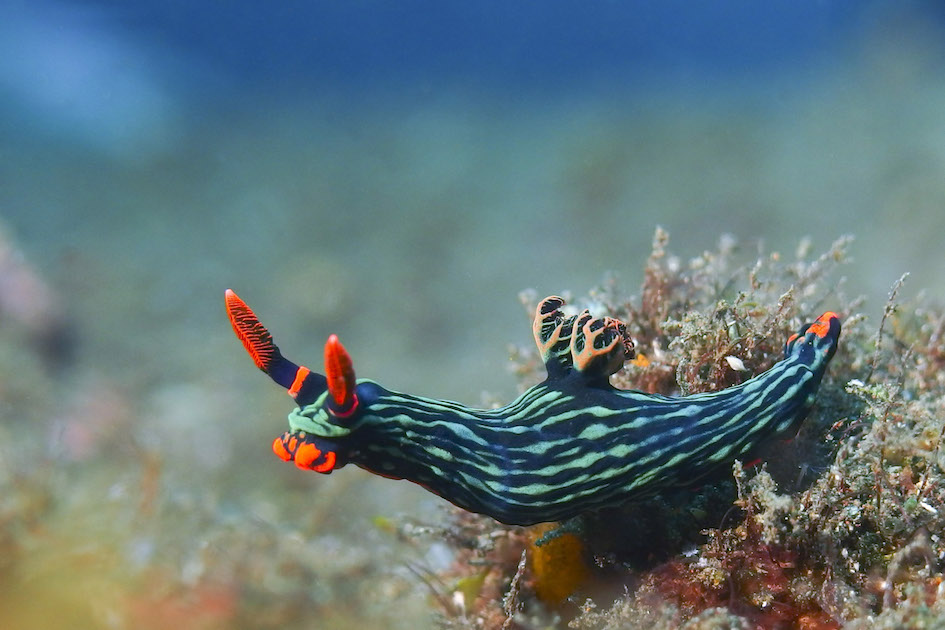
(340, 374)
(256, 339)
(303, 385)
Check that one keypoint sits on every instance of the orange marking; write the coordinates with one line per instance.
(293, 443)
(300, 375)
(640, 361)
(339, 372)
(256, 339)
(306, 454)
(279, 449)
(328, 465)
(822, 326)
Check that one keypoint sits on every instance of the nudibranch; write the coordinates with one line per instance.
(569, 445)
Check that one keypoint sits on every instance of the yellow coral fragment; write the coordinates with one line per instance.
(558, 567)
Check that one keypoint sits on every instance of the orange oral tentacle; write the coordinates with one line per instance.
(278, 447)
(328, 465)
(306, 455)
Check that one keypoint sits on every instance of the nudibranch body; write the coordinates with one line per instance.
(568, 445)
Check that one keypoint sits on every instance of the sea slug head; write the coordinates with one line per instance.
(815, 343)
(320, 429)
(326, 426)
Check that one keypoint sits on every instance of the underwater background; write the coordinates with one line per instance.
(395, 173)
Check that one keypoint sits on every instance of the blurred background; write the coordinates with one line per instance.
(395, 173)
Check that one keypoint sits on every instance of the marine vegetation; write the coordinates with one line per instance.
(841, 526)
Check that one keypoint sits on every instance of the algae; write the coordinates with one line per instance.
(842, 527)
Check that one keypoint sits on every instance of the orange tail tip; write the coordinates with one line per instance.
(822, 326)
(340, 374)
(256, 339)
